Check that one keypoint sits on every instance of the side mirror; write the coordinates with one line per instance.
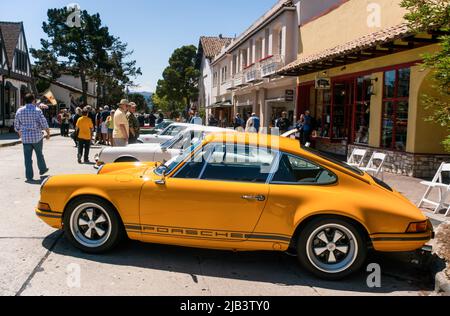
(162, 181)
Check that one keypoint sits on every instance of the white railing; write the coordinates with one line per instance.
(271, 65)
(253, 73)
(228, 85)
(239, 80)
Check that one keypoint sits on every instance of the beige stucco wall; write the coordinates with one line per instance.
(424, 137)
(347, 22)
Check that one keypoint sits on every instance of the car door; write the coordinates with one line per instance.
(298, 186)
(220, 193)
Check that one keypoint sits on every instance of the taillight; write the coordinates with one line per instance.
(420, 227)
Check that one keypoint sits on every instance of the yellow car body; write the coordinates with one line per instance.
(163, 209)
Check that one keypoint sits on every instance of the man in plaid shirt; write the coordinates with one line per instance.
(29, 123)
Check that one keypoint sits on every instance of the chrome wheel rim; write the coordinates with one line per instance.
(332, 248)
(90, 225)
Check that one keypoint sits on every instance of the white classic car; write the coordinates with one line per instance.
(167, 134)
(156, 152)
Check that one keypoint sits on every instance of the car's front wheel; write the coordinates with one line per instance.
(332, 249)
(92, 225)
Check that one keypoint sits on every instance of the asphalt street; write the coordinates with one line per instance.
(37, 260)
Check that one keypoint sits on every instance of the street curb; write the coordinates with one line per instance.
(18, 142)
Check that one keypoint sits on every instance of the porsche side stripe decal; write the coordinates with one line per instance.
(152, 227)
(204, 234)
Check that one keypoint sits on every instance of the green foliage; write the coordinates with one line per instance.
(160, 103)
(140, 101)
(88, 51)
(180, 80)
(435, 14)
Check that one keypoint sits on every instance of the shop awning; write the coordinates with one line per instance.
(385, 42)
(225, 104)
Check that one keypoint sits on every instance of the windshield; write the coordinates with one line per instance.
(170, 165)
(173, 130)
(335, 161)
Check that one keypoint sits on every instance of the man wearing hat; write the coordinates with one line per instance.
(121, 132)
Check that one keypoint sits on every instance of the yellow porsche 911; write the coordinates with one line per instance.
(239, 192)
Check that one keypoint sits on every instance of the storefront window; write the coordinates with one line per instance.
(362, 110)
(395, 109)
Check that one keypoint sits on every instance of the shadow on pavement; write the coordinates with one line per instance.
(398, 274)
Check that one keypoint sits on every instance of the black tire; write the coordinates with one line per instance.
(126, 159)
(113, 236)
(346, 264)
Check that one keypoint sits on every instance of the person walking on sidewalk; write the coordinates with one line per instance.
(85, 130)
(121, 126)
(29, 124)
(133, 123)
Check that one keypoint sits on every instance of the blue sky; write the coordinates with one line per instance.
(152, 28)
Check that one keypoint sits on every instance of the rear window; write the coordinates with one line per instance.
(334, 160)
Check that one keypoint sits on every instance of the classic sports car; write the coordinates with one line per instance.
(155, 152)
(239, 192)
(167, 134)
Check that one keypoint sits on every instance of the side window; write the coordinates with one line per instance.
(239, 163)
(193, 168)
(296, 170)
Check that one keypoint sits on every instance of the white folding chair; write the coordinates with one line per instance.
(375, 165)
(443, 189)
(357, 158)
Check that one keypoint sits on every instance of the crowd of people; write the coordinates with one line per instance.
(120, 127)
(104, 126)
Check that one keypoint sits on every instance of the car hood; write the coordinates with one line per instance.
(135, 168)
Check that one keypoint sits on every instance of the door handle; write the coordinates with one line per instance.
(259, 198)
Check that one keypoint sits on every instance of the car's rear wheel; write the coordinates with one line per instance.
(92, 225)
(331, 249)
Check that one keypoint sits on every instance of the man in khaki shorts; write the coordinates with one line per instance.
(121, 132)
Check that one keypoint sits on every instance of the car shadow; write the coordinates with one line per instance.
(398, 273)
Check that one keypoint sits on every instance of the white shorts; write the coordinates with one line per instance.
(104, 128)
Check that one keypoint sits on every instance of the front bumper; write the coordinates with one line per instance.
(52, 219)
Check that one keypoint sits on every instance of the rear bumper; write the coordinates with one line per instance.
(50, 218)
(401, 242)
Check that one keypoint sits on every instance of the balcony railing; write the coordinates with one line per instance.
(239, 80)
(253, 74)
(271, 65)
(228, 85)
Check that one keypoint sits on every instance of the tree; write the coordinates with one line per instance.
(423, 16)
(87, 51)
(179, 85)
(140, 101)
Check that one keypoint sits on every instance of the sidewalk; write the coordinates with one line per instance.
(12, 139)
(413, 190)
